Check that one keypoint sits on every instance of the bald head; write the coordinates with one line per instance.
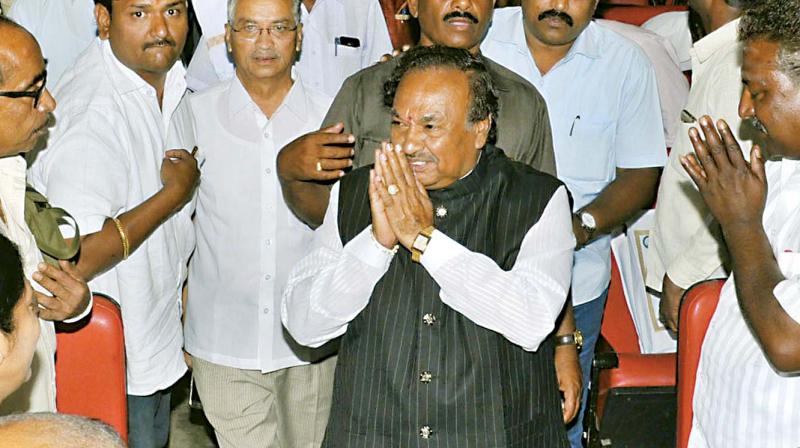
(24, 118)
(45, 430)
(11, 36)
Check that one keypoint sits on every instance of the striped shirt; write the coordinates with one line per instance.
(739, 399)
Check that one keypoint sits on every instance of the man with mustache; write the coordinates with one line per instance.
(259, 387)
(25, 112)
(748, 377)
(686, 246)
(357, 123)
(107, 163)
(608, 135)
(445, 339)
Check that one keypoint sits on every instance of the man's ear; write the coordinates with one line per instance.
(103, 19)
(299, 44)
(228, 36)
(413, 8)
(481, 129)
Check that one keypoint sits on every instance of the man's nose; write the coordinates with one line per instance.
(158, 26)
(746, 108)
(47, 103)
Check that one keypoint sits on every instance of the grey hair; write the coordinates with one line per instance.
(776, 21)
(233, 3)
(65, 430)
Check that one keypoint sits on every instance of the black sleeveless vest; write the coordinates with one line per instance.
(414, 372)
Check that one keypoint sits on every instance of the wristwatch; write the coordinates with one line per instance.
(575, 339)
(588, 223)
(421, 243)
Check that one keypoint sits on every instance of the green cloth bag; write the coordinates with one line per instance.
(43, 221)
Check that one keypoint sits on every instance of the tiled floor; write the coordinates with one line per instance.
(190, 429)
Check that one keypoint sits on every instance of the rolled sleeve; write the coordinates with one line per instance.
(640, 139)
(788, 294)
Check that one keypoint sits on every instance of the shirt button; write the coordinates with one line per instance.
(269, 242)
(267, 277)
(266, 310)
(429, 319)
(268, 171)
(425, 377)
(425, 432)
(266, 134)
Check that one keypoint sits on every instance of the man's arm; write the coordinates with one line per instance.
(332, 284)
(631, 191)
(521, 304)
(736, 192)
(101, 251)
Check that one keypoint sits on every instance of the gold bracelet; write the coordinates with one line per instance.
(125, 246)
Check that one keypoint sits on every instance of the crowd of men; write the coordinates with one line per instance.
(354, 252)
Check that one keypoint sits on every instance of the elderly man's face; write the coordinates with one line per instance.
(452, 23)
(21, 124)
(147, 36)
(770, 99)
(557, 22)
(430, 122)
(264, 38)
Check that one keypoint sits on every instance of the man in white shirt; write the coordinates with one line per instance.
(258, 386)
(748, 377)
(602, 98)
(674, 26)
(686, 246)
(340, 37)
(63, 28)
(673, 87)
(106, 163)
(25, 108)
(445, 339)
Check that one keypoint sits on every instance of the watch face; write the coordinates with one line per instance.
(588, 220)
(420, 242)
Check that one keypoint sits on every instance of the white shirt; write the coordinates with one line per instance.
(38, 394)
(604, 113)
(739, 399)
(323, 65)
(673, 87)
(247, 238)
(333, 284)
(63, 28)
(685, 243)
(104, 159)
(674, 25)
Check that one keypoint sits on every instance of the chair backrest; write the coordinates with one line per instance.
(618, 328)
(635, 15)
(90, 367)
(697, 308)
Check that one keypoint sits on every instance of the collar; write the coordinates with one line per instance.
(587, 44)
(718, 39)
(125, 80)
(294, 101)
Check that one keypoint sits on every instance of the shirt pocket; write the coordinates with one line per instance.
(587, 154)
(348, 60)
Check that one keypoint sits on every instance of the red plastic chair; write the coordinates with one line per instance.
(620, 365)
(90, 367)
(697, 308)
(635, 15)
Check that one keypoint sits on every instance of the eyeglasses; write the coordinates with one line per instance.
(35, 94)
(253, 32)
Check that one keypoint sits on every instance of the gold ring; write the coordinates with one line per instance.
(392, 189)
(319, 165)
